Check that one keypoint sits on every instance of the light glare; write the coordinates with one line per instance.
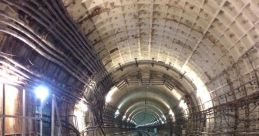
(117, 113)
(79, 112)
(108, 97)
(11, 103)
(183, 105)
(41, 92)
(177, 95)
(124, 117)
(82, 106)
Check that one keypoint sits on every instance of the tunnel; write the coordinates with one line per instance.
(129, 68)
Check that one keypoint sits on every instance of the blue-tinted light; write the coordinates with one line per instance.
(41, 92)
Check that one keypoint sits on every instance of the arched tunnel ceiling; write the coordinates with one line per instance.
(204, 50)
(155, 106)
(150, 72)
(155, 101)
(129, 95)
(156, 79)
(199, 38)
(207, 36)
(141, 108)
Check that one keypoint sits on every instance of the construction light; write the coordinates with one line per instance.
(117, 113)
(108, 97)
(124, 117)
(41, 92)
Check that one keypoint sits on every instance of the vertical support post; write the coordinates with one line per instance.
(53, 116)
(41, 118)
(3, 119)
(236, 119)
(58, 117)
(23, 112)
(247, 122)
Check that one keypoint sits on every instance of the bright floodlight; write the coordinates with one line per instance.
(41, 92)
(117, 113)
(108, 97)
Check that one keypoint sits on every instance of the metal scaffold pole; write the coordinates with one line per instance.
(23, 112)
(3, 119)
(53, 116)
(41, 119)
